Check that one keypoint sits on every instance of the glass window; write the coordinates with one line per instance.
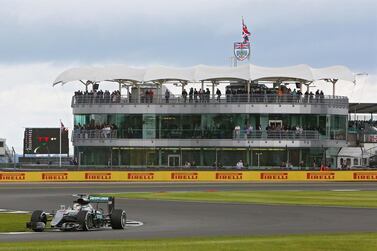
(338, 127)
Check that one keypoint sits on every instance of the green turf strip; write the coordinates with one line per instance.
(13, 222)
(321, 198)
(333, 242)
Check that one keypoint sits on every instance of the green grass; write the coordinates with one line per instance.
(333, 242)
(13, 222)
(321, 198)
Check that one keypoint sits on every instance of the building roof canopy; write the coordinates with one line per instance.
(203, 73)
(362, 108)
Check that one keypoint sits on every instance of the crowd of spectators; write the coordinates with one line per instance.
(273, 131)
(280, 94)
(92, 130)
(362, 125)
(99, 96)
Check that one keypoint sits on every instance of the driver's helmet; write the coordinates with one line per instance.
(76, 206)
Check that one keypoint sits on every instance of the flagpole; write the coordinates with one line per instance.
(60, 145)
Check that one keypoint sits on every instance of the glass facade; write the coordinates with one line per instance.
(177, 156)
(150, 126)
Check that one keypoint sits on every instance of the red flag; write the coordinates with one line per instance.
(245, 32)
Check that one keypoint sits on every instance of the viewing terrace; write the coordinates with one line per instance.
(326, 100)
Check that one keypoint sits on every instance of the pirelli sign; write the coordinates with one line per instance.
(229, 176)
(365, 176)
(274, 176)
(320, 176)
(184, 176)
(55, 176)
(101, 176)
(12, 176)
(140, 176)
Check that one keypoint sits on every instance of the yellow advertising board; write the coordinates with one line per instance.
(187, 176)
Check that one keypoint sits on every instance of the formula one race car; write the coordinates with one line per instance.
(81, 216)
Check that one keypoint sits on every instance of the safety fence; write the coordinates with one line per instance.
(186, 176)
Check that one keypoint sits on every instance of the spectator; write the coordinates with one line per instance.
(196, 96)
(237, 130)
(191, 93)
(167, 96)
(218, 93)
(184, 95)
(239, 165)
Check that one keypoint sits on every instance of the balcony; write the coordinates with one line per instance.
(193, 138)
(327, 100)
(267, 104)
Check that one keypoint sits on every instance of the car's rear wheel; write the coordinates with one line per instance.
(118, 219)
(38, 220)
(85, 219)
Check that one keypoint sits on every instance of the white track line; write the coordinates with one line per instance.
(15, 233)
(345, 190)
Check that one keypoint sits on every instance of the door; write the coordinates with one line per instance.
(174, 160)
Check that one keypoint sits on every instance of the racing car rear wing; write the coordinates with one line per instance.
(103, 199)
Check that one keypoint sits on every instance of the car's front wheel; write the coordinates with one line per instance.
(38, 221)
(118, 219)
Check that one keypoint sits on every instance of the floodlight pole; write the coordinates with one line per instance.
(60, 145)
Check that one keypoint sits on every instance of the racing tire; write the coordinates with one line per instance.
(38, 217)
(118, 219)
(85, 219)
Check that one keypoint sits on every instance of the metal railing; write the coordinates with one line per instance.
(81, 134)
(116, 99)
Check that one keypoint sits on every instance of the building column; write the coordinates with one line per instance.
(159, 157)
(128, 93)
(201, 157)
(138, 94)
(248, 91)
(251, 157)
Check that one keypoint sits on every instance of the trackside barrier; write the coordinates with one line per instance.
(188, 176)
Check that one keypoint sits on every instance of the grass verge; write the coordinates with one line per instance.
(321, 198)
(13, 222)
(334, 242)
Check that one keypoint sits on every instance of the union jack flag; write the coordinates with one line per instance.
(62, 127)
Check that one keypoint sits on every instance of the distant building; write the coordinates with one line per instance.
(6, 155)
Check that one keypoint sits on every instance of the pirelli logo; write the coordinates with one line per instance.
(98, 176)
(229, 176)
(54, 176)
(12, 176)
(320, 176)
(274, 176)
(140, 176)
(184, 176)
(365, 176)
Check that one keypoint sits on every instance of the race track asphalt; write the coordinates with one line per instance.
(168, 219)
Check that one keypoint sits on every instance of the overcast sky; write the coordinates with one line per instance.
(42, 38)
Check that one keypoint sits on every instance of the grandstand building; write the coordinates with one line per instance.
(266, 117)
